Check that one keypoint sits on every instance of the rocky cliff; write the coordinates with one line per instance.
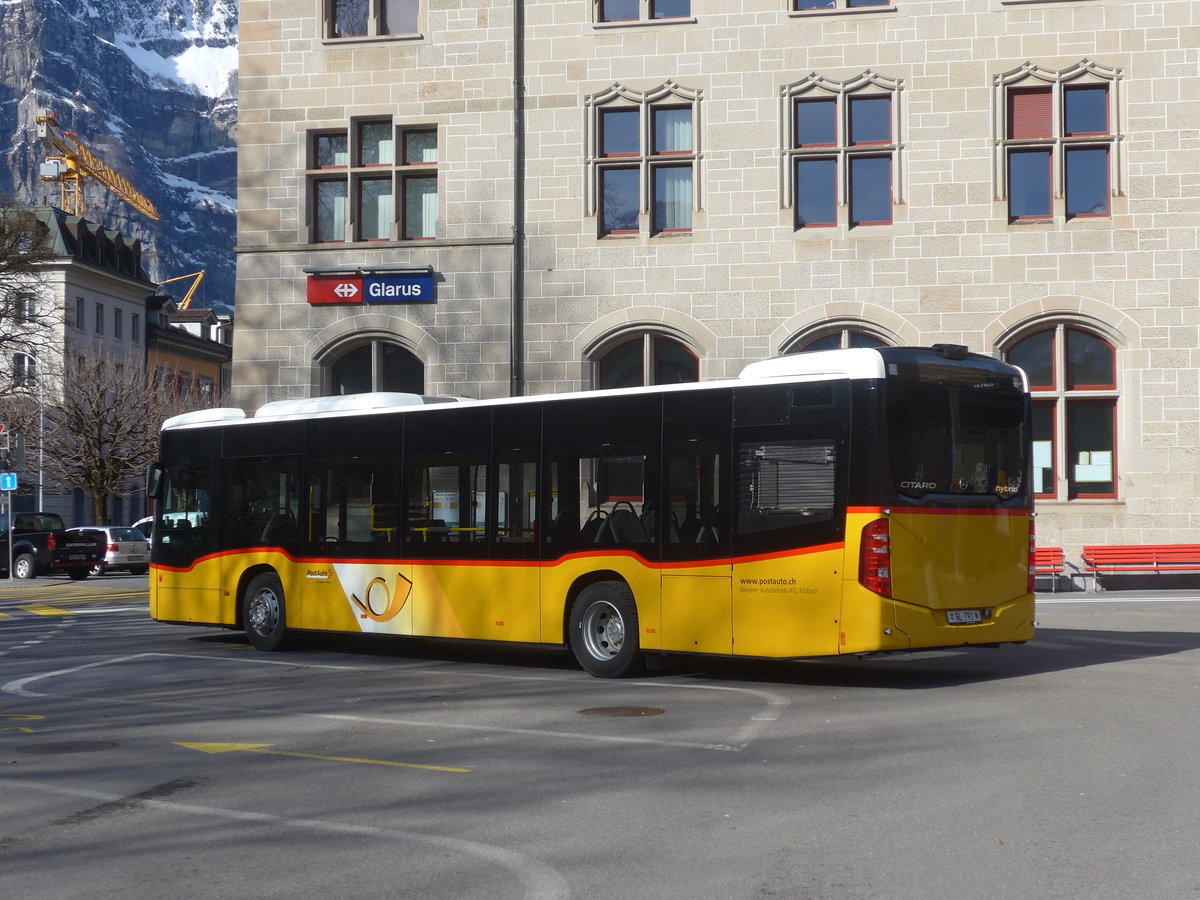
(151, 87)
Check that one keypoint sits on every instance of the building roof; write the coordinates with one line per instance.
(89, 242)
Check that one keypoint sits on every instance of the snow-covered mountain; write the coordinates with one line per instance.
(150, 86)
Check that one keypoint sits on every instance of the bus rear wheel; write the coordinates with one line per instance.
(604, 631)
(264, 614)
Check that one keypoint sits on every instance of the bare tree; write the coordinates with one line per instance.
(98, 427)
(29, 315)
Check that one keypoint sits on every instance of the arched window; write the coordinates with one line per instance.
(377, 366)
(1073, 376)
(647, 359)
(841, 339)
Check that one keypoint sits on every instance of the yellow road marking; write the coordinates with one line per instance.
(40, 601)
(43, 610)
(263, 748)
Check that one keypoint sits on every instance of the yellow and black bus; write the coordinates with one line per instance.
(824, 503)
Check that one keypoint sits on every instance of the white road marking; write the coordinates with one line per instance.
(1041, 602)
(739, 741)
(540, 880)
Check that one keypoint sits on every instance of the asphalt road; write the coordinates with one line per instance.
(147, 760)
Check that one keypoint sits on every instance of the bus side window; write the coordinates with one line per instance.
(606, 499)
(261, 502)
(449, 490)
(352, 502)
(693, 494)
(516, 499)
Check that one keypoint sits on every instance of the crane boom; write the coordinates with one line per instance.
(191, 292)
(74, 162)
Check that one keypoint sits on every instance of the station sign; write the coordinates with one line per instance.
(328, 288)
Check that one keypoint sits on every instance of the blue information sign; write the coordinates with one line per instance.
(398, 289)
(8, 481)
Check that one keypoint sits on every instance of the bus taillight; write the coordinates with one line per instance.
(875, 558)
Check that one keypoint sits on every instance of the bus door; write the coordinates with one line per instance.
(260, 518)
(600, 485)
(354, 576)
(693, 530)
(459, 590)
(790, 458)
(184, 580)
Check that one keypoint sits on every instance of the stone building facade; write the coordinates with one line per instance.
(90, 298)
(601, 192)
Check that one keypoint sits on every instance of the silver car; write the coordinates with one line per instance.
(127, 548)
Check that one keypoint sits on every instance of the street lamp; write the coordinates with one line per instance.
(37, 373)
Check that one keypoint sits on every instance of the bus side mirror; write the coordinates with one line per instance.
(154, 481)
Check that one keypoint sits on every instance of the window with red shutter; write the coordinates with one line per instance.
(1029, 114)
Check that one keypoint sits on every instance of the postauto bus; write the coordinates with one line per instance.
(826, 503)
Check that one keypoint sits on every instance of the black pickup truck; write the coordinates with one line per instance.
(41, 544)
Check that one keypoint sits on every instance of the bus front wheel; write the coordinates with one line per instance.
(264, 614)
(604, 631)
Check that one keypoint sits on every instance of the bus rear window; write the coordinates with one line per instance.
(947, 439)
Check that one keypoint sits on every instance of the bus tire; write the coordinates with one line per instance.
(264, 614)
(24, 567)
(604, 631)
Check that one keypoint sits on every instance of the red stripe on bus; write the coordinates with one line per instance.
(707, 563)
(934, 511)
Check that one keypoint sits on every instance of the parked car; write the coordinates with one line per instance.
(127, 548)
(170, 522)
(41, 544)
(146, 527)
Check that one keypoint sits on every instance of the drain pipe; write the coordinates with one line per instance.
(516, 378)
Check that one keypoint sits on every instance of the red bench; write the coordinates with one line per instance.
(1049, 561)
(1157, 559)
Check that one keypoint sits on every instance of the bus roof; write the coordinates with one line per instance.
(854, 364)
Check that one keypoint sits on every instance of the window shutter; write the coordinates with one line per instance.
(1029, 114)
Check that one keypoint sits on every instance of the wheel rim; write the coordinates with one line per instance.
(263, 611)
(23, 567)
(603, 630)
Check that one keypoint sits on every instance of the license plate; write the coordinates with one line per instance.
(964, 616)
(80, 556)
(136, 558)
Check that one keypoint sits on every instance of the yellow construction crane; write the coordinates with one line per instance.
(71, 162)
(191, 292)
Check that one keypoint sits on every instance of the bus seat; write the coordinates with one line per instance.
(650, 523)
(595, 529)
(626, 528)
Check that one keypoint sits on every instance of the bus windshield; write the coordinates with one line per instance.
(956, 439)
